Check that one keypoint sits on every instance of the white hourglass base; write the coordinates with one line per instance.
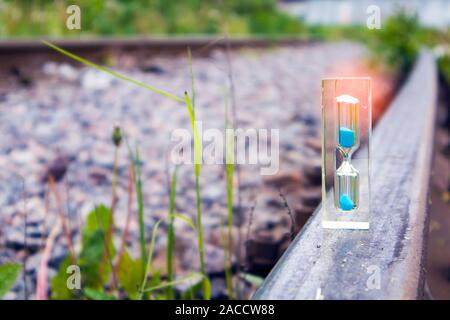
(345, 225)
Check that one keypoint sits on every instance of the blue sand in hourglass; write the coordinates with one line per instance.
(346, 203)
(346, 137)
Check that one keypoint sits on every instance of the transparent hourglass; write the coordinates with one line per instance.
(346, 181)
(346, 126)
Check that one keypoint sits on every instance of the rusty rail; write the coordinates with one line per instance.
(156, 43)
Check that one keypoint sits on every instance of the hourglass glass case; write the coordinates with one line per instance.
(346, 130)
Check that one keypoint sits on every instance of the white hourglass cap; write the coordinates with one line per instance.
(347, 99)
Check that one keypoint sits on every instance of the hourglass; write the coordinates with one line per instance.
(346, 181)
(346, 124)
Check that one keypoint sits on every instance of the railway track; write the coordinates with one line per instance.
(26, 46)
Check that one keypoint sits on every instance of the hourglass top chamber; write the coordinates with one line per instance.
(346, 128)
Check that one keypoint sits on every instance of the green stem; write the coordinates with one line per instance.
(114, 187)
(200, 232)
(148, 264)
(191, 74)
(197, 168)
(140, 203)
(229, 174)
(228, 275)
(171, 234)
(197, 164)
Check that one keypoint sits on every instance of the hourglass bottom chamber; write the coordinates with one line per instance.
(346, 202)
(346, 187)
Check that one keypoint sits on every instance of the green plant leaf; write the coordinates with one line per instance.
(129, 275)
(93, 260)
(97, 219)
(252, 279)
(59, 282)
(94, 294)
(8, 276)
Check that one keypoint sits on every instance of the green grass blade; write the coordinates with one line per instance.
(197, 164)
(112, 73)
(136, 167)
(191, 73)
(172, 283)
(196, 133)
(229, 175)
(207, 290)
(148, 268)
(171, 233)
(140, 203)
(185, 219)
(226, 259)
